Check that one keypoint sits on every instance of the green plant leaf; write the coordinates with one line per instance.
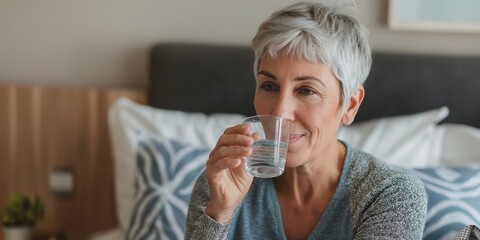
(21, 210)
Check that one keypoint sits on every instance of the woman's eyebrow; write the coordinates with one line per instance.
(304, 78)
(301, 78)
(266, 74)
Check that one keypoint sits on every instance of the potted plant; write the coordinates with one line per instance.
(19, 215)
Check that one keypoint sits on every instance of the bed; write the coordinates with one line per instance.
(421, 113)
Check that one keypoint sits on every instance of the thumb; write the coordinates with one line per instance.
(256, 136)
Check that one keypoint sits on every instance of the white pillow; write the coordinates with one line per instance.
(405, 141)
(461, 145)
(129, 122)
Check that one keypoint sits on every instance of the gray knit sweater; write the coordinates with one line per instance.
(372, 201)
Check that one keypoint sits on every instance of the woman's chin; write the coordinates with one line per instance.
(293, 160)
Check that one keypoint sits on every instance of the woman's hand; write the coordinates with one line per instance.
(227, 178)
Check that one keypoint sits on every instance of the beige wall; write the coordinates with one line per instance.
(105, 43)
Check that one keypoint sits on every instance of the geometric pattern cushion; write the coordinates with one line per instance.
(166, 171)
(453, 199)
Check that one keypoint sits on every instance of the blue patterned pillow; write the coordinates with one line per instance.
(165, 174)
(453, 199)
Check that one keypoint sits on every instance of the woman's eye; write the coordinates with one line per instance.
(268, 87)
(306, 91)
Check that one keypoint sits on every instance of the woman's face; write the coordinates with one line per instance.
(306, 93)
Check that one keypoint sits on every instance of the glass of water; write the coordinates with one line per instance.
(270, 146)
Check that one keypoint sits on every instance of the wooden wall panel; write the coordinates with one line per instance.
(6, 139)
(44, 128)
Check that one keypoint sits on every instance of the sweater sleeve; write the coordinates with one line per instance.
(199, 225)
(386, 203)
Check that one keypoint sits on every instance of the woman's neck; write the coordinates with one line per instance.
(317, 179)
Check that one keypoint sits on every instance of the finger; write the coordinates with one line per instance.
(233, 152)
(224, 163)
(229, 152)
(234, 140)
(256, 136)
(238, 129)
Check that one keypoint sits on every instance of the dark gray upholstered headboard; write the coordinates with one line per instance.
(216, 78)
(202, 78)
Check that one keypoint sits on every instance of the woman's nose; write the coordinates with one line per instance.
(283, 107)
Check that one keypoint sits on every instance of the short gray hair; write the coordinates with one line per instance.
(323, 33)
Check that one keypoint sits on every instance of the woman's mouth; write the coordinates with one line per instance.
(295, 137)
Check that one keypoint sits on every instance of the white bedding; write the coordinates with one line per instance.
(461, 145)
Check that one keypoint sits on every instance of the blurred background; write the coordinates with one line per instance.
(105, 43)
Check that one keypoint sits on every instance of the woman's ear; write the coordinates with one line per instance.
(353, 106)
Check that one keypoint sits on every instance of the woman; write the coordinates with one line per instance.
(311, 62)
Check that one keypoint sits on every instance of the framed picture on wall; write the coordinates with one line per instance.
(434, 15)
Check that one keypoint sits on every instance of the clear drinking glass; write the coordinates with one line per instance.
(270, 150)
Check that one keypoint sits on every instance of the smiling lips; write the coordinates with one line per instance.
(295, 137)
